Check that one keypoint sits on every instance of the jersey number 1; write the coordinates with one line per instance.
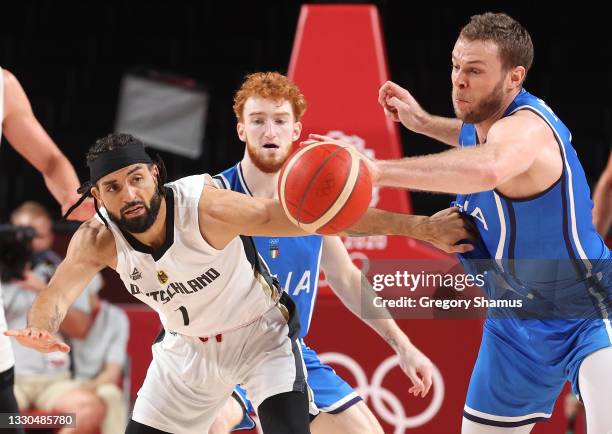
(185, 315)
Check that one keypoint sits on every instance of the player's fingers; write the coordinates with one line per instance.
(461, 231)
(61, 346)
(387, 87)
(44, 334)
(427, 375)
(15, 333)
(388, 106)
(321, 138)
(390, 113)
(395, 103)
(469, 223)
(390, 88)
(461, 248)
(316, 138)
(382, 93)
(416, 382)
(33, 333)
(468, 235)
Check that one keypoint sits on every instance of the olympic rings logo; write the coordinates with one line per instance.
(379, 395)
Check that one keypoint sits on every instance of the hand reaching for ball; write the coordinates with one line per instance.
(369, 163)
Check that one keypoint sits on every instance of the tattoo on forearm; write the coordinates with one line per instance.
(55, 320)
(369, 292)
(379, 222)
(391, 341)
(376, 226)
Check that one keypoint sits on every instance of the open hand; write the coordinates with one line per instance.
(38, 339)
(418, 368)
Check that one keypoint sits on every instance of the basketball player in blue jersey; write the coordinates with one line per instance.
(268, 107)
(516, 173)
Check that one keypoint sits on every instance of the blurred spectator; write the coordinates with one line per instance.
(602, 200)
(100, 359)
(43, 380)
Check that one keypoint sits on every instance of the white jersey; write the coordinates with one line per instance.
(196, 289)
(6, 352)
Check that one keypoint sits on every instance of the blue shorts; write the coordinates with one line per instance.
(522, 366)
(331, 393)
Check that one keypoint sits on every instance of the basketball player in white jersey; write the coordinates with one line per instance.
(184, 250)
(27, 136)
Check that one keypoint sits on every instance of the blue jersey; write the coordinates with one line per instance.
(544, 251)
(293, 260)
(555, 224)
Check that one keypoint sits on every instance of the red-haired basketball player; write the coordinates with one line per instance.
(268, 109)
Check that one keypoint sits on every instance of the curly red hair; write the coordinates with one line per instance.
(269, 85)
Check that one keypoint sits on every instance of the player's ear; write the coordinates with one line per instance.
(297, 130)
(241, 132)
(516, 77)
(154, 169)
(95, 192)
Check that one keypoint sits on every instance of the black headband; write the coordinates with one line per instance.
(116, 159)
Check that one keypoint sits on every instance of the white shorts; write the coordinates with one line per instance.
(189, 381)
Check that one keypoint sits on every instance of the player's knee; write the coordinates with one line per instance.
(230, 415)
(375, 428)
(220, 426)
(364, 419)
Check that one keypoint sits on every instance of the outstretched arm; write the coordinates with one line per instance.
(76, 323)
(28, 138)
(509, 152)
(226, 214)
(443, 229)
(87, 254)
(351, 286)
(400, 106)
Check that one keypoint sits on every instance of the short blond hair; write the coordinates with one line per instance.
(269, 85)
(32, 209)
(512, 39)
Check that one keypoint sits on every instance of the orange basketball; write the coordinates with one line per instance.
(325, 188)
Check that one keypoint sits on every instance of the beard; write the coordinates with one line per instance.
(486, 108)
(139, 224)
(270, 163)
